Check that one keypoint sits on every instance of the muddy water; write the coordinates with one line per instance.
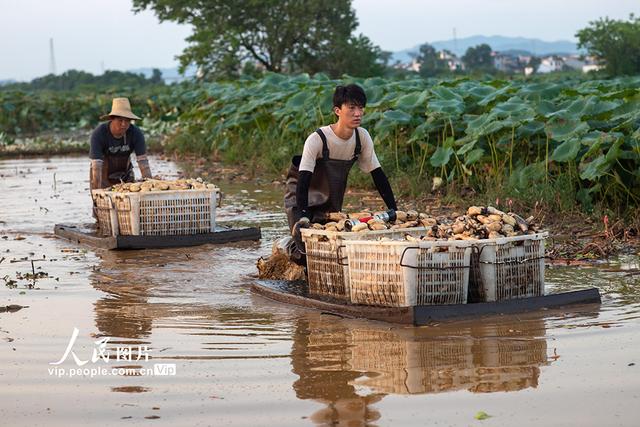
(242, 360)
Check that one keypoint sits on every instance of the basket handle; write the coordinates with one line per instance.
(101, 196)
(340, 256)
(111, 204)
(402, 257)
(128, 202)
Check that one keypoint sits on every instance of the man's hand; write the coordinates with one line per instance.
(303, 222)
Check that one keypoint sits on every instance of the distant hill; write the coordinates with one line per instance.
(497, 43)
(7, 82)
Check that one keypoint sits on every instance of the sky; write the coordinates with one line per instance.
(97, 35)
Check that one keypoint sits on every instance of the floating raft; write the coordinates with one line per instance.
(86, 234)
(297, 293)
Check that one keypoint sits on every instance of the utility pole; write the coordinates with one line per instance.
(52, 58)
(455, 42)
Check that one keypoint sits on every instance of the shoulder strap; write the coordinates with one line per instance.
(325, 147)
(104, 138)
(358, 149)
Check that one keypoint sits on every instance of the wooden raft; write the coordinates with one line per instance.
(85, 234)
(296, 293)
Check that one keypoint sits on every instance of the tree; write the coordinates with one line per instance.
(615, 44)
(534, 63)
(156, 77)
(431, 64)
(279, 35)
(478, 58)
(356, 56)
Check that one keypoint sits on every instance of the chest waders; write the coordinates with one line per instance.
(117, 168)
(327, 187)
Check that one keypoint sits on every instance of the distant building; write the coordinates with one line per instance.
(591, 67)
(507, 62)
(414, 65)
(525, 59)
(574, 62)
(550, 64)
(453, 62)
(516, 62)
(582, 63)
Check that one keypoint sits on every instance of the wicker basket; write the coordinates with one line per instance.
(167, 213)
(508, 268)
(327, 266)
(505, 346)
(105, 212)
(403, 274)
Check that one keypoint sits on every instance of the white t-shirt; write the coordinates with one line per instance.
(339, 149)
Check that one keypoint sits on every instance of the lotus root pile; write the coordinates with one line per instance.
(162, 185)
(479, 222)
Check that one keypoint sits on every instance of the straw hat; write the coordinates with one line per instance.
(121, 108)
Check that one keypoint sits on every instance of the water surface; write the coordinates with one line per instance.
(243, 360)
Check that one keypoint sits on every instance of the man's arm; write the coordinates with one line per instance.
(384, 188)
(302, 192)
(140, 148)
(312, 146)
(143, 164)
(96, 155)
(95, 176)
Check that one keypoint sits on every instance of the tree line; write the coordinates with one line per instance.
(248, 37)
(73, 80)
(294, 36)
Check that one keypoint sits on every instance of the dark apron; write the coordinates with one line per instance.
(117, 169)
(327, 187)
(111, 178)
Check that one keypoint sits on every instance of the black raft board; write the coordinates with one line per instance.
(85, 235)
(421, 315)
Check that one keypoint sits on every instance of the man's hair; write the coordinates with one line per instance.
(349, 94)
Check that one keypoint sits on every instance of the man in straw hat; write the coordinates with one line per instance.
(111, 145)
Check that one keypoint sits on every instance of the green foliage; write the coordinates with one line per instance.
(579, 137)
(478, 58)
(557, 140)
(282, 36)
(616, 43)
(31, 112)
(83, 81)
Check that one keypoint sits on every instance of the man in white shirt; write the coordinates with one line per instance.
(317, 180)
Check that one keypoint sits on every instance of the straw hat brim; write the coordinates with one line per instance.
(124, 114)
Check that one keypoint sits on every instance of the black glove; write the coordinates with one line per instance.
(303, 222)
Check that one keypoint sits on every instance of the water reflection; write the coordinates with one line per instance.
(123, 311)
(198, 294)
(321, 358)
(349, 366)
